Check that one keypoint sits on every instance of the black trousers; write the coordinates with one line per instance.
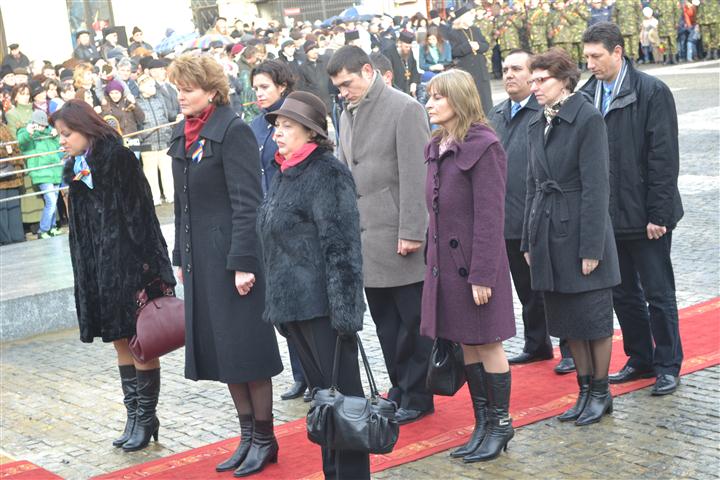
(646, 306)
(537, 341)
(295, 364)
(396, 313)
(315, 343)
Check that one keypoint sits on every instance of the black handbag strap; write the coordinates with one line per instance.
(336, 364)
(371, 379)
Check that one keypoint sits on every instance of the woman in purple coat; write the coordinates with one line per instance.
(467, 297)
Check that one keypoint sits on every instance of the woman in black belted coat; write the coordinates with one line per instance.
(217, 192)
(567, 232)
(116, 249)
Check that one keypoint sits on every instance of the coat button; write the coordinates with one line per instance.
(185, 170)
(359, 196)
(453, 243)
(185, 209)
(355, 162)
(184, 188)
(463, 272)
(547, 213)
(435, 237)
(188, 269)
(187, 228)
(435, 271)
(187, 247)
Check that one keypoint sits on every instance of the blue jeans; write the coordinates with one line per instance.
(47, 221)
(646, 307)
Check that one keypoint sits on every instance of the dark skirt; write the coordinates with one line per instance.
(580, 316)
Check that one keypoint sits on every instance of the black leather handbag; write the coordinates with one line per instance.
(342, 422)
(446, 370)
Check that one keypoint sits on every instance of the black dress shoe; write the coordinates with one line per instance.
(665, 384)
(405, 415)
(296, 391)
(525, 357)
(566, 365)
(628, 374)
(307, 396)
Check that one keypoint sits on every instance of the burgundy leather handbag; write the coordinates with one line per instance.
(160, 327)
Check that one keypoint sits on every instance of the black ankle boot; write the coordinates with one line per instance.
(599, 402)
(264, 449)
(146, 421)
(499, 429)
(476, 384)
(246, 431)
(574, 412)
(128, 380)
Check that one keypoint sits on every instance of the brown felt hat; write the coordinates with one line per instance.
(306, 109)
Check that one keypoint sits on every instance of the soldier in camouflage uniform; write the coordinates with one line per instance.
(668, 15)
(507, 33)
(627, 14)
(484, 22)
(537, 27)
(708, 17)
(569, 21)
(579, 15)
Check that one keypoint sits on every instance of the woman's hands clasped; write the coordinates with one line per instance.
(244, 282)
(588, 265)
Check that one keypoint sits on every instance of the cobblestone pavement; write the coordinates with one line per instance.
(61, 407)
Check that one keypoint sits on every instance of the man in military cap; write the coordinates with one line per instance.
(668, 15)
(627, 15)
(16, 59)
(708, 17)
(405, 72)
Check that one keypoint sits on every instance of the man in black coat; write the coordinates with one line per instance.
(313, 71)
(645, 205)
(405, 73)
(85, 50)
(16, 59)
(510, 120)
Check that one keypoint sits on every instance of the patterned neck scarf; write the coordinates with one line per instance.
(82, 171)
(551, 111)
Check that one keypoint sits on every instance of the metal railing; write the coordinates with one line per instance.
(25, 157)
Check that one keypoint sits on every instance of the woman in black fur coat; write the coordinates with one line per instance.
(116, 248)
(309, 228)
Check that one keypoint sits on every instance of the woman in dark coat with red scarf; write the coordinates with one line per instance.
(116, 249)
(217, 192)
(467, 297)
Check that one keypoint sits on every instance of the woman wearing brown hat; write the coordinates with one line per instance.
(309, 229)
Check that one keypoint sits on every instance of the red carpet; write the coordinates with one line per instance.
(537, 394)
(24, 470)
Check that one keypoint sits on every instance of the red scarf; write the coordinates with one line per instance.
(193, 125)
(296, 158)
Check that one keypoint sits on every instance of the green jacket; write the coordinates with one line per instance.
(30, 145)
(537, 25)
(668, 14)
(709, 12)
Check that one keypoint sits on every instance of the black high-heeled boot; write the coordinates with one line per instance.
(499, 430)
(264, 449)
(574, 412)
(146, 421)
(128, 380)
(599, 402)
(476, 384)
(246, 431)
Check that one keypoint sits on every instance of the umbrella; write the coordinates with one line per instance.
(359, 12)
(171, 41)
(205, 41)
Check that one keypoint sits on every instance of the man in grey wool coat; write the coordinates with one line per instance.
(383, 133)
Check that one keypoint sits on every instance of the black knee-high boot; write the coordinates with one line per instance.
(475, 374)
(128, 380)
(499, 430)
(146, 421)
(263, 450)
(246, 431)
(599, 402)
(574, 412)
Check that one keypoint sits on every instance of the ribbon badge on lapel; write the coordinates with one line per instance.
(198, 153)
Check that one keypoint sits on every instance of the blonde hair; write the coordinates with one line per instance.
(202, 72)
(79, 73)
(458, 86)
